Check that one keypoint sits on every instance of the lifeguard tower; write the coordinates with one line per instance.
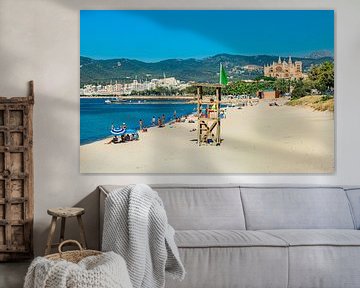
(208, 122)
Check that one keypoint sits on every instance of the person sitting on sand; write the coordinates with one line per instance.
(114, 140)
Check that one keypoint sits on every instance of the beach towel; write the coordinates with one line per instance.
(102, 271)
(136, 227)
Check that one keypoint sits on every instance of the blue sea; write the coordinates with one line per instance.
(96, 117)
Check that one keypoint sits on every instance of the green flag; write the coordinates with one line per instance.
(223, 76)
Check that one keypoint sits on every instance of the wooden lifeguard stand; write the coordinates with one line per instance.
(208, 123)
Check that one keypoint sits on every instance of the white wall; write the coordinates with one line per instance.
(39, 40)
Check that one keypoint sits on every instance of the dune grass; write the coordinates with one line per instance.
(317, 102)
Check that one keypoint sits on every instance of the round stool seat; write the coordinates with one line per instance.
(66, 211)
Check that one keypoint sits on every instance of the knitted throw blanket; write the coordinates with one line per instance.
(136, 227)
(104, 271)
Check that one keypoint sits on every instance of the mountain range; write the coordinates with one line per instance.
(94, 71)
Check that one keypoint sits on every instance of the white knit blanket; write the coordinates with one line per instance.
(104, 271)
(136, 227)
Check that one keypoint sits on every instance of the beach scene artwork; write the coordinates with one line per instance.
(207, 91)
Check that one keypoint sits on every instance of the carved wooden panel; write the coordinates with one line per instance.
(16, 177)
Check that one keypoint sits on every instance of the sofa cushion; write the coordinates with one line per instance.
(203, 208)
(354, 198)
(226, 238)
(296, 208)
(224, 267)
(324, 266)
(322, 258)
(317, 237)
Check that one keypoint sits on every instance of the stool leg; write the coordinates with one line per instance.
(51, 235)
(82, 232)
(62, 231)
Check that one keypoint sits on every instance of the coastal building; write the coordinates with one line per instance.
(285, 70)
(252, 67)
(268, 94)
(169, 82)
(135, 85)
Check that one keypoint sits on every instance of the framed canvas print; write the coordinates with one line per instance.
(207, 91)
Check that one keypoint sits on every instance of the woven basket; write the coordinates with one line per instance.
(72, 256)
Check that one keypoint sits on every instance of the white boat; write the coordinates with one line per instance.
(114, 101)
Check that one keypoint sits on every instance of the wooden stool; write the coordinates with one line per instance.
(64, 213)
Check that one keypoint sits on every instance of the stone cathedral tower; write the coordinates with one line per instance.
(284, 70)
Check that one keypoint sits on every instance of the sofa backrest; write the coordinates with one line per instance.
(202, 207)
(230, 207)
(296, 208)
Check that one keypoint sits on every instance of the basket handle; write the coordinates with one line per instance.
(69, 241)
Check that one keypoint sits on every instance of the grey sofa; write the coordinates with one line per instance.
(243, 236)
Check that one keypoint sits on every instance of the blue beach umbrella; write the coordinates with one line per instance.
(130, 131)
(117, 131)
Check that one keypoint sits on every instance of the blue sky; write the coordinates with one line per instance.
(153, 35)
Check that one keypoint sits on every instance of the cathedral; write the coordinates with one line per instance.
(284, 70)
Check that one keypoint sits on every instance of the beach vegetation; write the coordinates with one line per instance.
(282, 85)
(247, 88)
(158, 91)
(301, 89)
(322, 76)
(265, 78)
(321, 79)
(317, 102)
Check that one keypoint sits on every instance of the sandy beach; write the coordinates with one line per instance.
(256, 139)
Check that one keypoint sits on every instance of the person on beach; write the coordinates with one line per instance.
(174, 114)
(153, 120)
(163, 118)
(160, 123)
(114, 140)
(211, 108)
(141, 124)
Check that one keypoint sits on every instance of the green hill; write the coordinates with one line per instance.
(200, 70)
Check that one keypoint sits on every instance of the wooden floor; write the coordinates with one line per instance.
(12, 274)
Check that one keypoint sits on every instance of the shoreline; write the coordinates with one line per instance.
(140, 132)
(256, 139)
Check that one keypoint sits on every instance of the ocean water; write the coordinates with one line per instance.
(96, 117)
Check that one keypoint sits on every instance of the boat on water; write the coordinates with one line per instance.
(114, 101)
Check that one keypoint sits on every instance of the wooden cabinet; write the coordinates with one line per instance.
(16, 177)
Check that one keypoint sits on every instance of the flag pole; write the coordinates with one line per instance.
(220, 74)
